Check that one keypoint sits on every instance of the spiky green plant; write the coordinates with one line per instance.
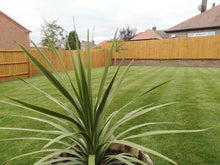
(85, 123)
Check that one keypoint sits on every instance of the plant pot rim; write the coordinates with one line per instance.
(138, 153)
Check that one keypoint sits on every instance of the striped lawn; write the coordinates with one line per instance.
(196, 89)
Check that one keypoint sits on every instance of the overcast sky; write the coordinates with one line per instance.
(104, 15)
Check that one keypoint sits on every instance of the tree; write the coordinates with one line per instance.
(117, 47)
(73, 36)
(127, 33)
(54, 31)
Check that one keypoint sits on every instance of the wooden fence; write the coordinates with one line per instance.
(13, 62)
(17, 63)
(207, 47)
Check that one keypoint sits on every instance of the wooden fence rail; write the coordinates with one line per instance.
(17, 63)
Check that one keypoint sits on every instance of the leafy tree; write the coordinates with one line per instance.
(54, 31)
(118, 47)
(72, 38)
(127, 33)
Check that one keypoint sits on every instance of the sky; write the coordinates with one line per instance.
(101, 16)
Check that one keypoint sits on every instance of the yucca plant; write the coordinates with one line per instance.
(85, 130)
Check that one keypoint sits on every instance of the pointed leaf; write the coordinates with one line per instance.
(46, 111)
(164, 132)
(140, 126)
(57, 139)
(30, 153)
(142, 148)
(31, 130)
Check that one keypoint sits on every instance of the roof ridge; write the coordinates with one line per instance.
(155, 34)
(203, 13)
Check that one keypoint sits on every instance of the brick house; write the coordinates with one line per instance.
(204, 24)
(12, 32)
(84, 44)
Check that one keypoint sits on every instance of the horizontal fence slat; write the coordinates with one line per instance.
(14, 63)
(18, 74)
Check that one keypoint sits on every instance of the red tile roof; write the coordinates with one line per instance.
(105, 41)
(208, 19)
(146, 35)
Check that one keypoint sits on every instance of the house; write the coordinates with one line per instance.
(204, 24)
(84, 44)
(40, 46)
(12, 32)
(61, 44)
(150, 35)
(101, 43)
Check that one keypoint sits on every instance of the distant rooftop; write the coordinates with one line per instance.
(146, 35)
(206, 20)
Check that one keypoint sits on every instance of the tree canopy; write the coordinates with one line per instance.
(127, 33)
(54, 31)
(72, 38)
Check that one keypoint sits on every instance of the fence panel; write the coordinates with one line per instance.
(34, 69)
(17, 63)
(13, 62)
(207, 47)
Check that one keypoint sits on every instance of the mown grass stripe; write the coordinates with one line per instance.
(200, 110)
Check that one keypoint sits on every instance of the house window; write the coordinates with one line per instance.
(201, 34)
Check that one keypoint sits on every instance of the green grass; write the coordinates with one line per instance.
(196, 89)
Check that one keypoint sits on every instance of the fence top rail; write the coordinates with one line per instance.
(11, 50)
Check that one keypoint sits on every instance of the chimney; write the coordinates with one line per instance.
(213, 5)
(204, 6)
(154, 28)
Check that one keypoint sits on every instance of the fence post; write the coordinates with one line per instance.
(29, 65)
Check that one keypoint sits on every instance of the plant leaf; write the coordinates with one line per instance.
(46, 111)
(62, 64)
(34, 138)
(31, 130)
(164, 132)
(57, 139)
(70, 151)
(100, 91)
(72, 160)
(50, 97)
(139, 126)
(121, 158)
(20, 106)
(30, 153)
(91, 160)
(144, 93)
(58, 126)
(55, 82)
(142, 148)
